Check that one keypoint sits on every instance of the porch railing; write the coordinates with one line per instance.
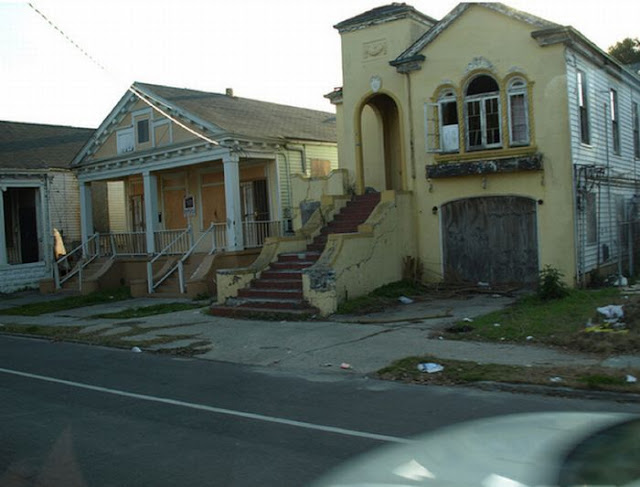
(180, 244)
(85, 254)
(123, 244)
(256, 232)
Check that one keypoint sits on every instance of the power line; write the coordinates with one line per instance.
(141, 95)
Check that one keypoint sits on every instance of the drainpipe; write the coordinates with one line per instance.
(303, 154)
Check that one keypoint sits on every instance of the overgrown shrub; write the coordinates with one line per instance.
(551, 285)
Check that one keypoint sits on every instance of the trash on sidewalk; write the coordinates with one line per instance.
(483, 284)
(620, 281)
(468, 320)
(631, 378)
(328, 364)
(430, 367)
(405, 300)
(136, 349)
(529, 338)
(555, 379)
(345, 366)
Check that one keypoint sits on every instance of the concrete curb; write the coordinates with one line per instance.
(557, 391)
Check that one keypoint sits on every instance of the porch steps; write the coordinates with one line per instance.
(170, 287)
(88, 273)
(277, 293)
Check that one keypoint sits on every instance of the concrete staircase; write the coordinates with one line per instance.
(88, 273)
(170, 287)
(278, 291)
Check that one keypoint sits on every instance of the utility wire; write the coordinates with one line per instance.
(145, 97)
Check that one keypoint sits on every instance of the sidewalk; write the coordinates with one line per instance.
(367, 343)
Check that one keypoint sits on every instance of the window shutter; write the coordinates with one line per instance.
(431, 124)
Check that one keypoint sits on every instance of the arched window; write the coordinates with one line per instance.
(518, 112)
(482, 112)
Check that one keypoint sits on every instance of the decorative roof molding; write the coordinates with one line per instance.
(574, 39)
(335, 97)
(382, 15)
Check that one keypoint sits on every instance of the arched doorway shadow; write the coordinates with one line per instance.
(380, 160)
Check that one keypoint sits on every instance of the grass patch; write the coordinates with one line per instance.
(462, 372)
(380, 299)
(55, 305)
(559, 322)
(156, 309)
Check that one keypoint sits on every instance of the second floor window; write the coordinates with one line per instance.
(636, 130)
(482, 112)
(518, 113)
(615, 126)
(143, 131)
(582, 107)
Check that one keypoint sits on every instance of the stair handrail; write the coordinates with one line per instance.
(150, 284)
(84, 247)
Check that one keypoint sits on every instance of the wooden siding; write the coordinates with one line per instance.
(117, 206)
(64, 205)
(613, 196)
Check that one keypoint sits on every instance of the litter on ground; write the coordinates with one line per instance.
(430, 367)
(631, 378)
(405, 300)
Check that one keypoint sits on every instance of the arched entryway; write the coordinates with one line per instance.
(380, 160)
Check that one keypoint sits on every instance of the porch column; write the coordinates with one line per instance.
(3, 240)
(232, 200)
(86, 213)
(150, 209)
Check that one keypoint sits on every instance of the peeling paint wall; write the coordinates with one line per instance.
(306, 191)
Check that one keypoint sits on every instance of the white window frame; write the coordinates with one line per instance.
(635, 121)
(583, 107)
(482, 99)
(512, 91)
(123, 146)
(614, 110)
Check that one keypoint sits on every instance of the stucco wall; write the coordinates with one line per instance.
(481, 40)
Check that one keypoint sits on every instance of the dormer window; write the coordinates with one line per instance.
(142, 130)
(482, 112)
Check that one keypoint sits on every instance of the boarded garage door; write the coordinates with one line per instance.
(491, 239)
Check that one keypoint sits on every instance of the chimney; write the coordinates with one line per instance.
(229, 91)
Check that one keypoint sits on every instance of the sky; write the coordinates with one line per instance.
(282, 51)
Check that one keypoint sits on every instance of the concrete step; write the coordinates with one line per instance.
(291, 274)
(262, 294)
(260, 313)
(277, 284)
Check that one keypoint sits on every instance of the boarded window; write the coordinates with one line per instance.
(320, 168)
(124, 140)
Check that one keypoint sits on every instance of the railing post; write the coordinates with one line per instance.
(150, 277)
(112, 239)
(181, 276)
(80, 279)
(56, 274)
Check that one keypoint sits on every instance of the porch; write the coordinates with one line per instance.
(181, 260)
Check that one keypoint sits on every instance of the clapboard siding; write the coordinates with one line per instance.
(615, 189)
(64, 205)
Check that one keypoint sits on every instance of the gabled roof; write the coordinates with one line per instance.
(247, 117)
(414, 50)
(36, 146)
(216, 116)
(379, 15)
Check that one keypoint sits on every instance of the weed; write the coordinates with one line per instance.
(156, 309)
(551, 285)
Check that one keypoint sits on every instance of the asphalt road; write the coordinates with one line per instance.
(74, 415)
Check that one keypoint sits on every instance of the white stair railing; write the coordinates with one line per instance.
(182, 240)
(89, 252)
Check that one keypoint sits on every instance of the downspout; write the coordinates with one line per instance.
(303, 154)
